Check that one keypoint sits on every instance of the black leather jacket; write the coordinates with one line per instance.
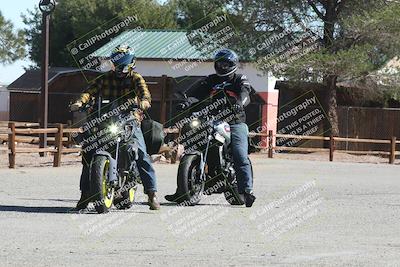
(238, 90)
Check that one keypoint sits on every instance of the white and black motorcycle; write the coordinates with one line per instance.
(206, 166)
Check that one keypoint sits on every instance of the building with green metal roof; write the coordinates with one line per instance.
(171, 53)
(156, 44)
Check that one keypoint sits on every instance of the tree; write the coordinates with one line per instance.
(190, 12)
(73, 19)
(349, 39)
(323, 41)
(12, 43)
(358, 41)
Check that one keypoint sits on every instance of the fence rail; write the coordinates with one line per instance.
(332, 145)
(59, 140)
(57, 151)
(9, 135)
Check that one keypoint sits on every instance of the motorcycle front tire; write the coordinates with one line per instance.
(187, 171)
(103, 195)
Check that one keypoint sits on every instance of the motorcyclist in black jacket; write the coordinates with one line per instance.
(237, 90)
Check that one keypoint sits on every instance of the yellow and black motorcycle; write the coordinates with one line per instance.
(114, 175)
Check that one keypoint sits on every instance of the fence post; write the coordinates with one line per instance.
(11, 145)
(270, 144)
(331, 147)
(392, 156)
(59, 145)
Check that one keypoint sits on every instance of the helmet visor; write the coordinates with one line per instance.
(122, 59)
(223, 66)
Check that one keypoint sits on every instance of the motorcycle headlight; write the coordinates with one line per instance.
(114, 129)
(195, 123)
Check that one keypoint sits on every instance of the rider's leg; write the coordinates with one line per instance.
(241, 161)
(146, 170)
(239, 144)
(84, 182)
(175, 196)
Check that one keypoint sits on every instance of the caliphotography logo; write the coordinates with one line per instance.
(91, 52)
(194, 49)
(289, 211)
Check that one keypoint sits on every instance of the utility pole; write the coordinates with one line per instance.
(46, 7)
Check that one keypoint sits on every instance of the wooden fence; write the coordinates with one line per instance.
(363, 122)
(390, 144)
(58, 149)
(21, 132)
(17, 132)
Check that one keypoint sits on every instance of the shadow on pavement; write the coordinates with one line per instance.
(51, 199)
(35, 209)
(175, 204)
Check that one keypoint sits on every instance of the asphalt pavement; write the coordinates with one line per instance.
(307, 213)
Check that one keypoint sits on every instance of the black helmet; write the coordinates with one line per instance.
(225, 62)
(124, 59)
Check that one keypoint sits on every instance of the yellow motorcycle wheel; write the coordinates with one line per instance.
(132, 193)
(108, 192)
(103, 194)
(125, 198)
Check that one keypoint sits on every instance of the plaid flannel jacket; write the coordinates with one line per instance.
(120, 90)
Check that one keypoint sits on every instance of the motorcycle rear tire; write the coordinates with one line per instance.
(232, 194)
(126, 199)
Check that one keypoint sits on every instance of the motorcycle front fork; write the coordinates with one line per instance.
(203, 160)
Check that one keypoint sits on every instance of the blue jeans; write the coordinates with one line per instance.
(241, 161)
(146, 170)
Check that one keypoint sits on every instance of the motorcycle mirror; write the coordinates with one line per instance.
(180, 94)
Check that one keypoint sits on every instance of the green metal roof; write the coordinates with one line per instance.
(155, 44)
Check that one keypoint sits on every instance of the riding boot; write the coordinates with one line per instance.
(153, 201)
(83, 202)
(249, 198)
(172, 198)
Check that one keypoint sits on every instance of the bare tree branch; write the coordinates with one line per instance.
(324, 3)
(316, 10)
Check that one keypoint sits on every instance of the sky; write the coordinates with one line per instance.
(11, 10)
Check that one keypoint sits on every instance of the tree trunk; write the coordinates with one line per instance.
(331, 123)
(329, 23)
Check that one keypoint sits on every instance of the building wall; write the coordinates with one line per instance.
(4, 105)
(260, 81)
(24, 106)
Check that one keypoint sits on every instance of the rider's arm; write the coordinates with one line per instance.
(199, 90)
(90, 92)
(140, 88)
(244, 92)
(86, 96)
